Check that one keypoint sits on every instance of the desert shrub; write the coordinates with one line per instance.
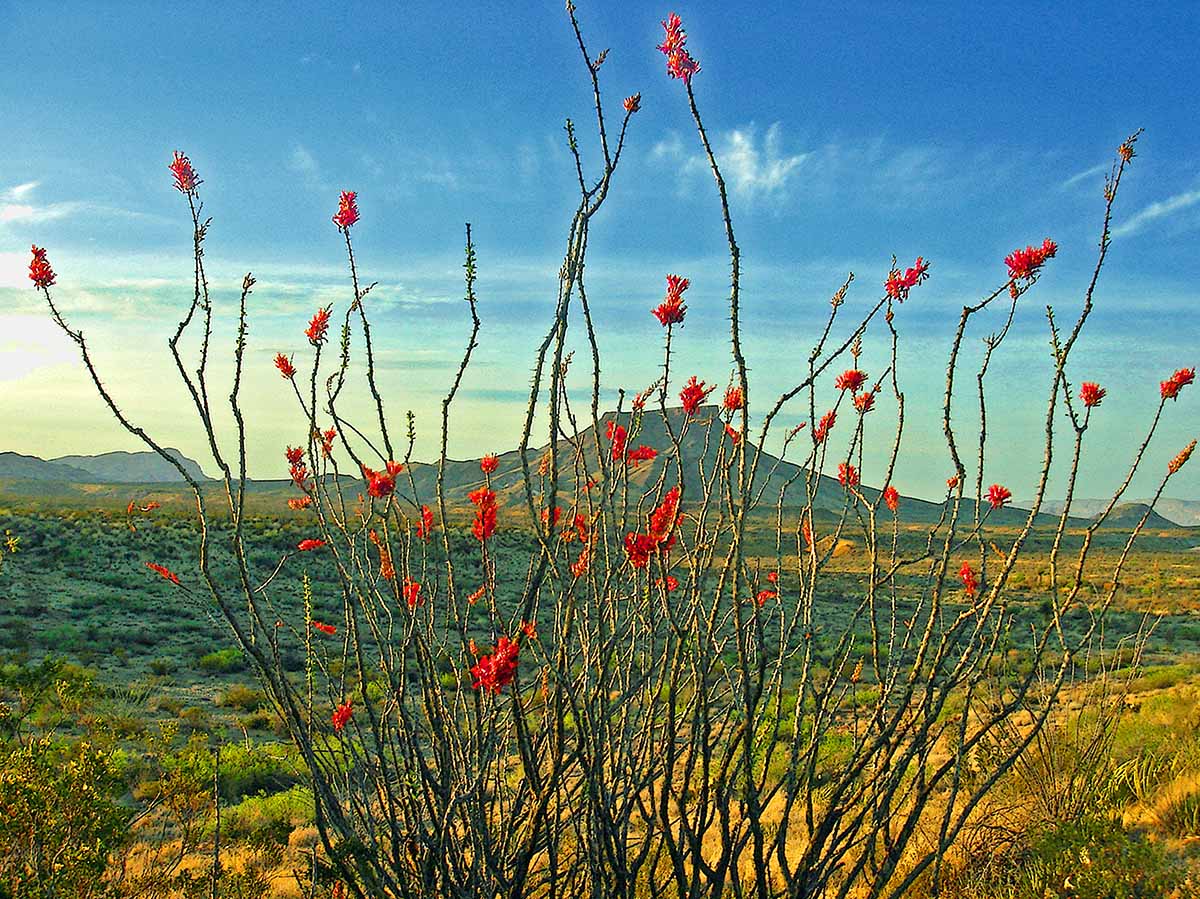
(223, 661)
(60, 819)
(239, 696)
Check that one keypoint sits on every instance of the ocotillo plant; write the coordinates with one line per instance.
(655, 708)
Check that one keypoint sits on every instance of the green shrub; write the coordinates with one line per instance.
(223, 661)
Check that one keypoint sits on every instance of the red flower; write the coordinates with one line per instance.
(670, 583)
(477, 595)
(997, 496)
(318, 327)
(165, 572)
(325, 628)
(616, 436)
(347, 213)
(734, 434)
(327, 438)
(865, 401)
(1025, 263)
(295, 455)
(824, 426)
(639, 403)
(679, 62)
(693, 394)
(1092, 394)
(660, 536)
(1180, 460)
(382, 483)
(341, 715)
(672, 310)
(851, 379)
(489, 463)
(898, 285)
(634, 103)
(309, 545)
(412, 594)
(641, 454)
(529, 629)
(847, 475)
(773, 577)
(496, 671)
(952, 481)
(485, 513)
(547, 514)
(425, 527)
(185, 176)
(970, 581)
(734, 399)
(296, 504)
(1170, 388)
(40, 272)
(284, 364)
(891, 496)
(764, 595)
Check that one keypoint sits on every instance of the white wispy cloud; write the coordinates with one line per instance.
(1085, 175)
(754, 168)
(1157, 210)
(19, 191)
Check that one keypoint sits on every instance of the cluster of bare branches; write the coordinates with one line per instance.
(657, 707)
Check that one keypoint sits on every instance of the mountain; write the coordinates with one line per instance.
(1127, 515)
(31, 468)
(134, 468)
(1179, 512)
(107, 468)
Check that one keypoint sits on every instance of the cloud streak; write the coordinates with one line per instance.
(1157, 210)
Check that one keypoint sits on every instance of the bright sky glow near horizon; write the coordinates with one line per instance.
(847, 133)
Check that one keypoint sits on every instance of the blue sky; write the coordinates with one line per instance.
(847, 133)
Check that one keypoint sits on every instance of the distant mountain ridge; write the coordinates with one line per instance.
(1178, 512)
(105, 468)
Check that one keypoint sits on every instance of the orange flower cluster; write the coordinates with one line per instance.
(898, 285)
(1091, 393)
(382, 483)
(847, 475)
(341, 715)
(969, 579)
(347, 213)
(693, 394)
(672, 310)
(40, 272)
(1024, 263)
(1182, 378)
(824, 426)
(1180, 460)
(386, 570)
(425, 526)
(891, 496)
(164, 572)
(284, 364)
(325, 628)
(185, 176)
(680, 63)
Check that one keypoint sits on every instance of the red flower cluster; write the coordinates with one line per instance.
(325, 628)
(347, 213)
(163, 571)
(185, 176)
(998, 495)
(660, 536)
(1170, 388)
(898, 285)
(318, 327)
(327, 438)
(425, 526)
(284, 364)
(847, 475)
(969, 579)
(734, 399)
(633, 104)
(679, 62)
(763, 596)
(851, 379)
(824, 426)
(412, 594)
(580, 566)
(672, 310)
(309, 545)
(865, 401)
(733, 433)
(485, 513)
(40, 272)
(296, 467)
(670, 583)
(495, 672)
(1180, 460)
(891, 496)
(382, 483)
(641, 454)
(489, 463)
(1091, 393)
(1024, 263)
(693, 394)
(341, 715)
(296, 504)
(387, 571)
(952, 481)
(616, 436)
